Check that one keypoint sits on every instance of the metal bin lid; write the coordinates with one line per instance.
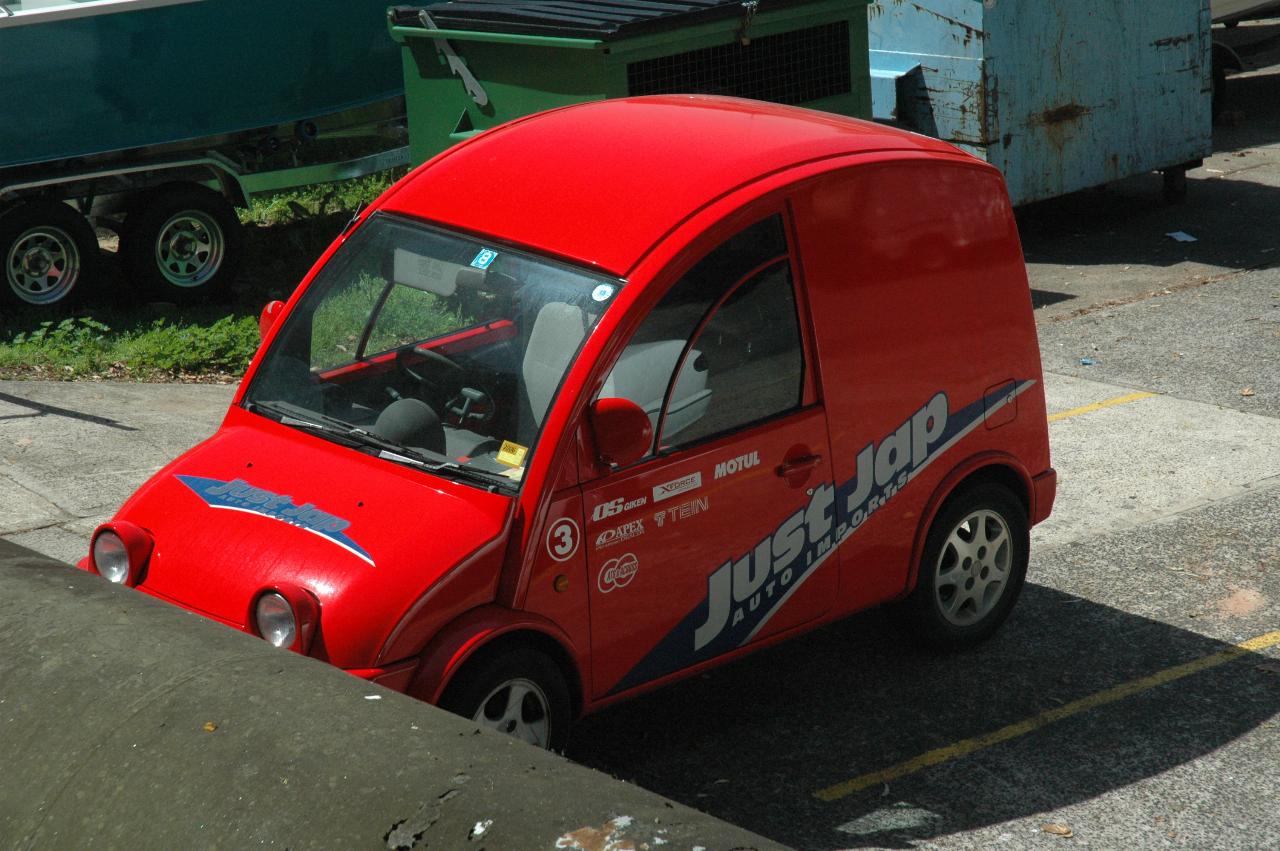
(602, 20)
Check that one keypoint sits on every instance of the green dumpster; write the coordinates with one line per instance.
(473, 64)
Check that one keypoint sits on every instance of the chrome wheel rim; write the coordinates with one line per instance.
(190, 248)
(43, 265)
(518, 708)
(973, 568)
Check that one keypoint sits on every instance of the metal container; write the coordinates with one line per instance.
(1060, 95)
(469, 66)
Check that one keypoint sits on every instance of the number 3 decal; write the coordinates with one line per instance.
(562, 539)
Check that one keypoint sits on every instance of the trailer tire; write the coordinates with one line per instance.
(49, 254)
(182, 243)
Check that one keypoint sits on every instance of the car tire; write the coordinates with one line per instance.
(182, 243)
(49, 254)
(972, 568)
(517, 691)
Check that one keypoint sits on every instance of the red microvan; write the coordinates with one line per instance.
(615, 393)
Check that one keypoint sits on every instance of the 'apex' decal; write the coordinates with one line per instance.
(239, 495)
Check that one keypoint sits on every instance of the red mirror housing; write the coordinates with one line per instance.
(270, 313)
(621, 430)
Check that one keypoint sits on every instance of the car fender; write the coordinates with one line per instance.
(459, 641)
(948, 485)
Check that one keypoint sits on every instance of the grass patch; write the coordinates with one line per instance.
(135, 348)
(120, 337)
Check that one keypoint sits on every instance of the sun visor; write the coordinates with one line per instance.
(425, 273)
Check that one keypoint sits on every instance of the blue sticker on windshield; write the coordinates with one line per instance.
(603, 292)
(484, 258)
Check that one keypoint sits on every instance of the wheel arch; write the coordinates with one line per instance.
(484, 632)
(988, 467)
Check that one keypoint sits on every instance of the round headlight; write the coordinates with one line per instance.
(275, 621)
(110, 558)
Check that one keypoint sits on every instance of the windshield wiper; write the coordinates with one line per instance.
(449, 470)
(388, 450)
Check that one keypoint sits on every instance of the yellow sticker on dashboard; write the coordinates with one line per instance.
(512, 454)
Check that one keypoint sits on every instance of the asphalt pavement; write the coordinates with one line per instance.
(1133, 698)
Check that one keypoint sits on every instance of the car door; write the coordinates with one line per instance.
(717, 537)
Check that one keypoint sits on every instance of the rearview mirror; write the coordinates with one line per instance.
(270, 313)
(621, 430)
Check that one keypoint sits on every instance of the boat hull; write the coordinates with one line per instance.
(1235, 10)
(153, 74)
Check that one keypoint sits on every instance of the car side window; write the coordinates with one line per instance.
(751, 362)
(729, 328)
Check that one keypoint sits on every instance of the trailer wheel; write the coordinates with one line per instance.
(50, 255)
(182, 243)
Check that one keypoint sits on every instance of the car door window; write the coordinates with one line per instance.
(745, 365)
(722, 348)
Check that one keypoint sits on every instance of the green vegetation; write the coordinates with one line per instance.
(406, 316)
(124, 338)
(155, 349)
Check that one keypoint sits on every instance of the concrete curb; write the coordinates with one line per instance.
(127, 723)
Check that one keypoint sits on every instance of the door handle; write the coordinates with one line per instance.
(798, 465)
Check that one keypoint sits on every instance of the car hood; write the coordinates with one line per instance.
(260, 504)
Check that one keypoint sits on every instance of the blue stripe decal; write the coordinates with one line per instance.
(239, 495)
(744, 593)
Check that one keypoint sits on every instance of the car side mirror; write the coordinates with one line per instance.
(267, 319)
(621, 430)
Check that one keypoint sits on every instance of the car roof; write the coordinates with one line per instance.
(601, 183)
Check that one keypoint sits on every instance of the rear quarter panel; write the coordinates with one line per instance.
(917, 286)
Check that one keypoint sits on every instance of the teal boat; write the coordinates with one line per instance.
(96, 76)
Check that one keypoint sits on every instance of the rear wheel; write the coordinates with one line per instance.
(972, 569)
(182, 243)
(50, 255)
(517, 691)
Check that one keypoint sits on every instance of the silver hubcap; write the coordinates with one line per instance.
(189, 248)
(518, 708)
(973, 568)
(43, 265)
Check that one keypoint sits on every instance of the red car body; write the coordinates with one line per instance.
(919, 373)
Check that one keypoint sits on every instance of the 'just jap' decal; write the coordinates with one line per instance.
(746, 591)
(239, 495)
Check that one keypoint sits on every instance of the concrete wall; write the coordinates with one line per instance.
(126, 723)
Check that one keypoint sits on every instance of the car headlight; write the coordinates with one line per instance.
(110, 558)
(121, 551)
(274, 619)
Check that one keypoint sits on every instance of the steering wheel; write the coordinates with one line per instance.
(406, 363)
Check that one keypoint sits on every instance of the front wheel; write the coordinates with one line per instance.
(50, 255)
(517, 691)
(182, 243)
(972, 569)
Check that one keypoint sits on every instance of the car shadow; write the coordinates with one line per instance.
(754, 741)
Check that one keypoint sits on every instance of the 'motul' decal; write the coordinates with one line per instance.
(239, 495)
(744, 592)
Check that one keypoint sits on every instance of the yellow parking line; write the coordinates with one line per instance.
(1021, 728)
(1098, 406)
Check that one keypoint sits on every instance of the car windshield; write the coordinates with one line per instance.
(431, 349)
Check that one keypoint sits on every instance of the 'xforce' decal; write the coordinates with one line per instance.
(745, 592)
(239, 495)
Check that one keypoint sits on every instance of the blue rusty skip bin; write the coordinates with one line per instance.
(1060, 95)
